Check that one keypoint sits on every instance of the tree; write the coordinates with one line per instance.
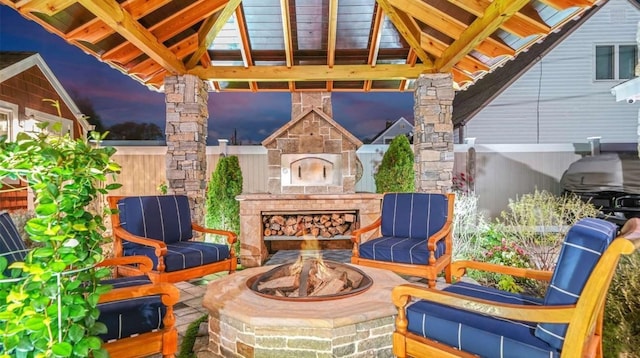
(395, 173)
(223, 210)
(86, 107)
(132, 131)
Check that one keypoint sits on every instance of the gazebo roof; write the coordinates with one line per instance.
(302, 45)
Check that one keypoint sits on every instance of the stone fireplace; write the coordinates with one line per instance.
(312, 154)
(313, 169)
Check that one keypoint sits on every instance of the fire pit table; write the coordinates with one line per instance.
(243, 323)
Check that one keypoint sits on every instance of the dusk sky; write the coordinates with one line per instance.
(117, 98)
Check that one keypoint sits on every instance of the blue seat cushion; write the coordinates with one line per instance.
(133, 316)
(471, 332)
(413, 215)
(165, 218)
(582, 248)
(400, 250)
(128, 281)
(183, 254)
(12, 247)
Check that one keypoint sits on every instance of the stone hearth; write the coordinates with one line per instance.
(253, 251)
(244, 324)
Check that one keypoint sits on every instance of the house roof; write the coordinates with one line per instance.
(469, 102)
(302, 45)
(13, 63)
(390, 127)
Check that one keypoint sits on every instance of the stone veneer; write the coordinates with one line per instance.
(244, 324)
(433, 138)
(186, 134)
(253, 251)
(311, 130)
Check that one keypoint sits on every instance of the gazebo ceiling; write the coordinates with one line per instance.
(302, 45)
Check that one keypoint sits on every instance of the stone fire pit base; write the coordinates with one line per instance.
(244, 324)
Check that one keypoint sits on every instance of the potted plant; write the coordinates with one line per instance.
(49, 309)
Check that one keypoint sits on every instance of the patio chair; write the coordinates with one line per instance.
(469, 320)
(160, 228)
(138, 314)
(415, 236)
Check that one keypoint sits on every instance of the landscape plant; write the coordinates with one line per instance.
(223, 210)
(49, 309)
(395, 173)
(470, 225)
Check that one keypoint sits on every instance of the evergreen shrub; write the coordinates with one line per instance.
(223, 210)
(395, 173)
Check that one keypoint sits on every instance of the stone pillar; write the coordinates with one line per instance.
(186, 132)
(304, 101)
(433, 138)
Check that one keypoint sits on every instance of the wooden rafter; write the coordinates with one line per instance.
(95, 30)
(167, 28)
(566, 4)
(524, 23)
(436, 47)
(245, 45)
(406, 28)
(332, 33)
(49, 7)
(497, 13)
(411, 61)
(149, 67)
(307, 73)
(450, 26)
(113, 15)
(210, 29)
(374, 41)
(286, 31)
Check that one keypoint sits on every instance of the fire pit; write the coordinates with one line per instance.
(310, 279)
(245, 324)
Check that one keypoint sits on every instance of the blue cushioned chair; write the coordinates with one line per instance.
(469, 320)
(160, 228)
(138, 314)
(415, 236)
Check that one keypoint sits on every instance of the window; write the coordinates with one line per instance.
(4, 124)
(616, 62)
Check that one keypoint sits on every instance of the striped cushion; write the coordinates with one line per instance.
(165, 218)
(128, 281)
(585, 242)
(413, 215)
(182, 255)
(402, 250)
(129, 317)
(12, 247)
(475, 333)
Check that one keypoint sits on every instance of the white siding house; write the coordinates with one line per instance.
(558, 98)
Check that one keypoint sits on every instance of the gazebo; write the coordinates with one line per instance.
(190, 48)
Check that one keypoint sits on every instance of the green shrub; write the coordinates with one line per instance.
(539, 221)
(223, 210)
(622, 310)
(395, 173)
(469, 226)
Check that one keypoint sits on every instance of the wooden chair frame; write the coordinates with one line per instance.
(431, 271)
(160, 275)
(584, 318)
(163, 341)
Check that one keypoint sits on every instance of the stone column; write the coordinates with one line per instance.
(433, 138)
(186, 131)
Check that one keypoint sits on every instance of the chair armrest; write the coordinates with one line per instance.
(144, 263)
(459, 268)
(402, 295)
(161, 247)
(441, 234)
(231, 236)
(356, 234)
(170, 294)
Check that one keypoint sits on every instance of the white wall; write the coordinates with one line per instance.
(557, 100)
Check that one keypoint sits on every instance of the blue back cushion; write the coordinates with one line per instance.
(12, 247)
(165, 218)
(583, 246)
(413, 215)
